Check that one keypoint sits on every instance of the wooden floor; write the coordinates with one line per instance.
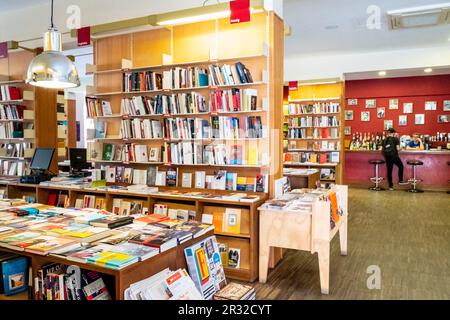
(406, 235)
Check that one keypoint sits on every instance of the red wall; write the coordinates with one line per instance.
(409, 89)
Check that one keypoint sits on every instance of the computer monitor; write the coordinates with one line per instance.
(78, 161)
(42, 158)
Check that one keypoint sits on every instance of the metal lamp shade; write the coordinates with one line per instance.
(52, 69)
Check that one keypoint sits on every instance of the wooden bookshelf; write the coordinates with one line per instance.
(311, 95)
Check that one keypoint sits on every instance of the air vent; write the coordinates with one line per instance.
(416, 17)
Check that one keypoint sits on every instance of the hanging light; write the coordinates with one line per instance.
(52, 69)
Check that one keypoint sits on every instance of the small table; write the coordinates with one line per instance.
(303, 231)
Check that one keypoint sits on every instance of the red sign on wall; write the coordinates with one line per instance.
(293, 85)
(84, 36)
(3, 50)
(240, 11)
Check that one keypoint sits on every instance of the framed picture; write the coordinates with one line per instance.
(393, 104)
(446, 105)
(371, 103)
(420, 119)
(381, 112)
(352, 102)
(348, 115)
(388, 124)
(365, 116)
(443, 118)
(430, 105)
(403, 120)
(348, 131)
(408, 107)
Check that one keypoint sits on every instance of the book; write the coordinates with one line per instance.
(234, 258)
(14, 275)
(111, 221)
(113, 260)
(171, 178)
(200, 179)
(205, 267)
(151, 218)
(46, 244)
(218, 220)
(235, 291)
(83, 255)
(136, 250)
(232, 221)
(186, 180)
(100, 130)
(162, 240)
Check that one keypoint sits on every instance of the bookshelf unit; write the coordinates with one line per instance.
(259, 46)
(62, 125)
(314, 130)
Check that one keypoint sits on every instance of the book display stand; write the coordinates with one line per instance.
(303, 231)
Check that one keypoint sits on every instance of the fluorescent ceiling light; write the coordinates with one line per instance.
(420, 16)
(382, 73)
(201, 17)
(428, 70)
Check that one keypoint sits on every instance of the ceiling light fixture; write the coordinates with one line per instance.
(428, 70)
(382, 73)
(52, 69)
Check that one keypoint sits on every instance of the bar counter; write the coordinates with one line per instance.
(435, 171)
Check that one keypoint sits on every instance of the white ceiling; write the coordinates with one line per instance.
(339, 26)
(12, 5)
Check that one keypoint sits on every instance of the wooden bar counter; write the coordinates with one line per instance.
(435, 171)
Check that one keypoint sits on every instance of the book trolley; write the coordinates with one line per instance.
(303, 231)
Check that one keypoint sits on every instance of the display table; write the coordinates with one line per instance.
(303, 231)
(434, 172)
(121, 279)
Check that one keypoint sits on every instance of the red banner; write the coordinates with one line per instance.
(293, 85)
(3, 50)
(84, 36)
(240, 11)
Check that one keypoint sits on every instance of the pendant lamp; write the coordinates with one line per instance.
(52, 69)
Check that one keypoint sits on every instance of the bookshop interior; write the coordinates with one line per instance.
(224, 150)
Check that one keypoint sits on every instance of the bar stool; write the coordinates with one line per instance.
(448, 163)
(414, 181)
(377, 179)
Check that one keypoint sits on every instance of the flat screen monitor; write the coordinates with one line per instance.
(42, 159)
(77, 159)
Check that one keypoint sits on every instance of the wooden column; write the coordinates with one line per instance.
(71, 123)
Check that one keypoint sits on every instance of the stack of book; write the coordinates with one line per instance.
(236, 291)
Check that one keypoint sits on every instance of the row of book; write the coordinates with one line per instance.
(233, 100)
(315, 108)
(13, 168)
(311, 157)
(229, 74)
(308, 122)
(11, 130)
(14, 150)
(9, 93)
(187, 153)
(11, 112)
(141, 129)
(323, 145)
(54, 282)
(317, 133)
(164, 104)
(97, 108)
(97, 151)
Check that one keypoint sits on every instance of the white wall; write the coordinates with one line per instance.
(305, 67)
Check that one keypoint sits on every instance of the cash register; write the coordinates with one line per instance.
(39, 166)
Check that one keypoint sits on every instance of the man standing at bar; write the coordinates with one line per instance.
(391, 146)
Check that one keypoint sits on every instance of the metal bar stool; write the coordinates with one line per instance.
(414, 181)
(377, 179)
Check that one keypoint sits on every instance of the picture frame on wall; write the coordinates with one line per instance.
(419, 118)
(443, 118)
(393, 104)
(348, 131)
(352, 102)
(371, 103)
(388, 124)
(408, 107)
(348, 115)
(381, 112)
(430, 105)
(446, 105)
(365, 116)
(402, 120)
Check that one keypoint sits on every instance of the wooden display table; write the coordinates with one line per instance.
(303, 231)
(119, 280)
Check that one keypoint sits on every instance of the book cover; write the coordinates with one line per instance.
(15, 275)
(232, 221)
(205, 267)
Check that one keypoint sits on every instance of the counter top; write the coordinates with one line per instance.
(434, 152)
